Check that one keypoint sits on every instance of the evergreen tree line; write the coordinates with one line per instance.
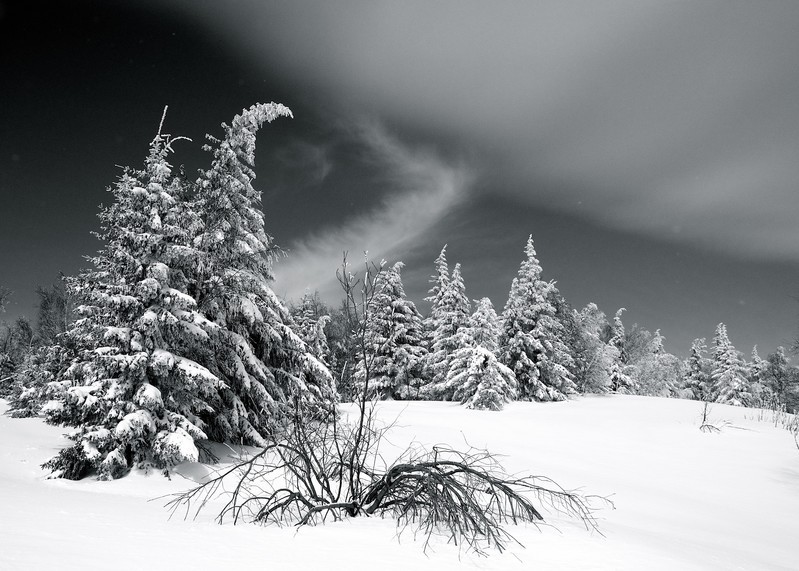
(539, 348)
(174, 336)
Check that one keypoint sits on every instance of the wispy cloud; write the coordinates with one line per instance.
(602, 110)
(422, 188)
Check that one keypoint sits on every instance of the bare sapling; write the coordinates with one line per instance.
(326, 469)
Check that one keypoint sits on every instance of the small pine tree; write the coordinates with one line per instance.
(697, 375)
(593, 359)
(531, 344)
(754, 376)
(54, 313)
(619, 335)
(730, 384)
(484, 325)
(479, 380)
(781, 382)
(475, 376)
(620, 381)
(16, 343)
(451, 320)
(440, 282)
(34, 382)
(310, 320)
(48, 357)
(659, 372)
(394, 341)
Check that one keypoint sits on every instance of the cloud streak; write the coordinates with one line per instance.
(670, 119)
(423, 188)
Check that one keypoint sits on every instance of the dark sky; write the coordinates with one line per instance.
(651, 148)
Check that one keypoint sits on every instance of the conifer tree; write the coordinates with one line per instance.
(619, 335)
(484, 325)
(310, 320)
(129, 389)
(531, 344)
(31, 386)
(697, 377)
(479, 380)
(475, 376)
(340, 332)
(593, 358)
(54, 313)
(781, 382)
(16, 343)
(451, 317)
(46, 356)
(440, 280)
(620, 379)
(394, 341)
(657, 343)
(263, 363)
(754, 376)
(730, 384)
(179, 336)
(658, 372)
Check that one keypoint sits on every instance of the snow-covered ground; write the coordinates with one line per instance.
(684, 499)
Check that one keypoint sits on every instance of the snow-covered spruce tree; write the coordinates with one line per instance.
(697, 372)
(440, 282)
(620, 379)
(265, 367)
(310, 319)
(452, 315)
(49, 356)
(394, 341)
(781, 382)
(593, 358)
(180, 337)
(133, 395)
(619, 335)
(479, 380)
(754, 376)
(16, 343)
(476, 377)
(340, 334)
(55, 312)
(728, 374)
(530, 343)
(33, 382)
(658, 372)
(484, 325)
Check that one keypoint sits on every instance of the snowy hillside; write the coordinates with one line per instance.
(684, 499)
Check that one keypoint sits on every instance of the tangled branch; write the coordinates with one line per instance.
(305, 479)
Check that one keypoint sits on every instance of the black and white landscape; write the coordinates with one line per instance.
(405, 283)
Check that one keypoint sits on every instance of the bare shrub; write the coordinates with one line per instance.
(708, 425)
(329, 469)
(315, 474)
